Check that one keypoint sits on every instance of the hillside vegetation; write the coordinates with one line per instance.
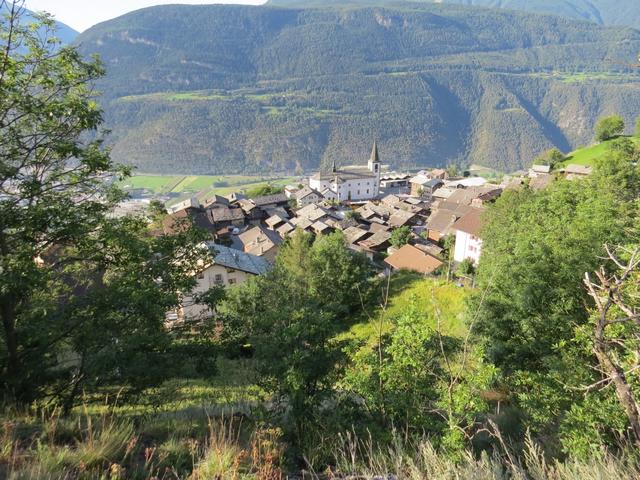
(603, 12)
(236, 89)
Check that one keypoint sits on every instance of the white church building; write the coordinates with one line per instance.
(350, 183)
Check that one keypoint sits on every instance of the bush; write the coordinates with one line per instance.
(609, 127)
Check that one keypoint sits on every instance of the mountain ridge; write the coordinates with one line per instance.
(225, 89)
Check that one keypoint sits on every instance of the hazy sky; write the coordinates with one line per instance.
(81, 14)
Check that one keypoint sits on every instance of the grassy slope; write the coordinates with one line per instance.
(202, 185)
(427, 293)
(588, 155)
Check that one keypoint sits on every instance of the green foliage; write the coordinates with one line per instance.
(263, 190)
(83, 296)
(531, 300)
(552, 157)
(609, 127)
(401, 236)
(466, 267)
(419, 379)
(291, 316)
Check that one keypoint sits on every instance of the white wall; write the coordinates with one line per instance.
(467, 246)
(212, 276)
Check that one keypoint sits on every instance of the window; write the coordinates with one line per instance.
(200, 275)
(219, 280)
(232, 281)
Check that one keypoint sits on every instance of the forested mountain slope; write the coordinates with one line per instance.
(603, 12)
(212, 89)
(64, 33)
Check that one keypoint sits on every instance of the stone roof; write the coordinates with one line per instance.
(270, 199)
(540, 182)
(574, 169)
(470, 223)
(465, 196)
(444, 192)
(286, 229)
(320, 227)
(258, 241)
(355, 234)
(377, 240)
(313, 212)
(215, 200)
(305, 192)
(466, 182)
(343, 174)
(410, 258)
(237, 260)
(400, 218)
(274, 220)
(226, 214)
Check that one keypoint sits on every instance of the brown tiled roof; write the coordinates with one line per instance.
(411, 258)
(471, 223)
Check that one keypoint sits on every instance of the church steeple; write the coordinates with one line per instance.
(333, 166)
(374, 158)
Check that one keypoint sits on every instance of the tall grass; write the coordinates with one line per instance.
(420, 460)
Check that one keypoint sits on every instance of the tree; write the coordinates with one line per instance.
(81, 295)
(531, 299)
(400, 236)
(466, 267)
(637, 131)
(609, 127)
(616, 331)
(292, 315)
(422, 381)
(552, 157)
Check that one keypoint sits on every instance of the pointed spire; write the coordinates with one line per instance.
(333, 167)
(375, 158)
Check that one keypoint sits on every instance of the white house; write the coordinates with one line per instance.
(229, 267)
(351, 183)
(468, 243)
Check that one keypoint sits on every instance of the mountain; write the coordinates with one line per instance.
(64, 33)
(225, 89)
(603, 12)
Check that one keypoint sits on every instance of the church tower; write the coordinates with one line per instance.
(374, 162)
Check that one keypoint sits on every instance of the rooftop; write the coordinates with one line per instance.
(410, 258)
(237, 260)
(470, 223)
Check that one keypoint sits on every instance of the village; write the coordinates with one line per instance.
(429, 223)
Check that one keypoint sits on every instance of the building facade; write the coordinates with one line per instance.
(351, 183)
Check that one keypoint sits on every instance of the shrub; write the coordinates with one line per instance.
(609, 127)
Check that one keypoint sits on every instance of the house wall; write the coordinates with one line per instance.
(319, 185)
(467, 246)
(211, 277)
(308, 200)
(361, 189)
(416, 190)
